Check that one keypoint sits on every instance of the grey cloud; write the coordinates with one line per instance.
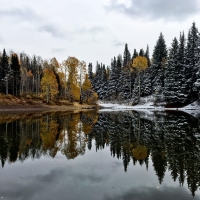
(52, 30)
(27, 14)
(170, 10)
(58, 50)
(118, 43)
(143, 193)
(22, 14)
(93, 29)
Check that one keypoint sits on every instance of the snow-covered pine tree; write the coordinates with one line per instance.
(118, 74)
(126, 77)
(182, 93)
(112, 83)
(97, 78)
(170, 87)
(191, 62)
(147, 85)
(104, 84)
(196, 86)
(147, 55)
(126, 56)
(90, 73)
(157, 73)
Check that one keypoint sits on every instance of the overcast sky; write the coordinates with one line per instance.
(92, 30)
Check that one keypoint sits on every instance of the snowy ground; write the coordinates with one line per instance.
(149, 107)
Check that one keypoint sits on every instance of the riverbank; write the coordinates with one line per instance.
(45, 108)
(12, 104)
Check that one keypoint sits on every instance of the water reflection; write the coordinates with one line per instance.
(170, 140)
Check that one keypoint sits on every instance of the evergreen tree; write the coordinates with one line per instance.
(191, 61)
(90, 73)
(170, 88)
(182, 93)
(147, 82)
(126, 81)
(97, 78)
(104, 84)
(126, 56)
(118, 73)
(135, 54)
(147, 55)
(16, 78)
(141, 53)
(118, 66)
(196, 86)
(4, 73)
(159, 60)
(112, 83)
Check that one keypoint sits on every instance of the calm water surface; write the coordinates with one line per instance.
(100, 156)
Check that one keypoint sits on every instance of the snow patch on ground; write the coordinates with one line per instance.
(148, 106)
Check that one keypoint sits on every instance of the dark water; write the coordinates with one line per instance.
(100, 156)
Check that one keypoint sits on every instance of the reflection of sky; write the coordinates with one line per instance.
(95, 176)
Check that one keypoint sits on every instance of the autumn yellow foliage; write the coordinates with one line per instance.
(49, 84)
(140, 63)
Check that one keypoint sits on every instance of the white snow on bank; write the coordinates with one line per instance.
(149, 107)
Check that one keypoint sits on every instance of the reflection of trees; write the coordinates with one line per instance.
(172, 140)
(44, 135)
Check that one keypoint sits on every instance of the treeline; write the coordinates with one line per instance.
(171, 76)
(22, 75)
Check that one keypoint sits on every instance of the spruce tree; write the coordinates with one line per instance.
(196, 86)
(170, 90)
(4, 73)
(16, 78)
(159, 60)
(147, 82)
(126, 56)
(147, 55)
(112, 83)
(141, 53)
(125, 78)
(191, 61)
(135, 54)
(103, 90)
(90, 73)
(182, 93)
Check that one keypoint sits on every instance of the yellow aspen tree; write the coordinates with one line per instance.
(73, 89)
(81, 75)
(88, 95)
(49, 85)
(140, 63)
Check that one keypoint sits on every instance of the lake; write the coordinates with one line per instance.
(101, 155)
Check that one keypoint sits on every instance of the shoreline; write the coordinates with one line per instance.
(45, 108)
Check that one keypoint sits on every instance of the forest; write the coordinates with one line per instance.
(171, 77)
(48, 80)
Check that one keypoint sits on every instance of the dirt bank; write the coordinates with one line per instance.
(45, 108)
